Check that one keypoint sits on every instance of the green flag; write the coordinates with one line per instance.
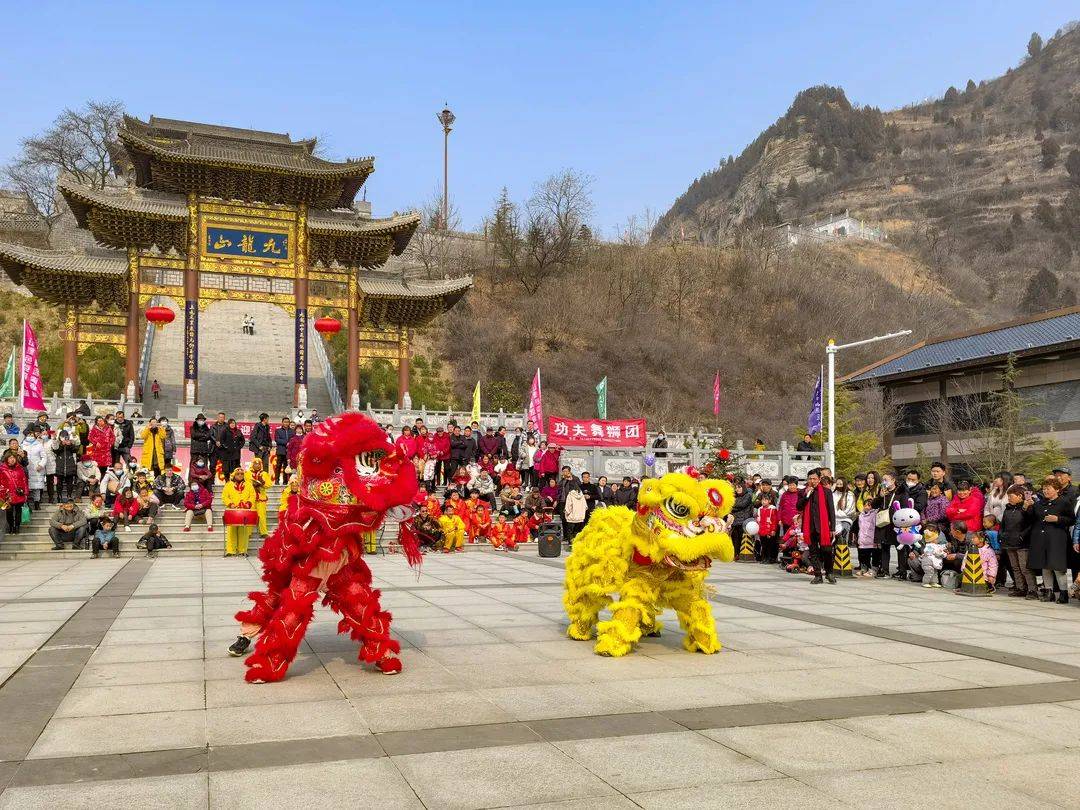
(7, 388)
(601, 398)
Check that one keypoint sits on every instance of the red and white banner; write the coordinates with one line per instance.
(245, 428)
(535, 411)
(716, 395)
(32, 388)
(596, 432)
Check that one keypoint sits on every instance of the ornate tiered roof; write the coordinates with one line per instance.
(177, 169)
(241, 164)
(77, 278)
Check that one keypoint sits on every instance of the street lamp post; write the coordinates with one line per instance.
(446, 118)
(830, 350)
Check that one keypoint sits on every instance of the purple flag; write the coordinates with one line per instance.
(813, 421)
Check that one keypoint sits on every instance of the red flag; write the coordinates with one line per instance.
(535, 411)
(716, 395)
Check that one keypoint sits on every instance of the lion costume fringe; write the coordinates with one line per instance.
(651, 559)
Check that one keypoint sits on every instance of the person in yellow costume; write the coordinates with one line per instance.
(237, 494)
(453, 528)
(286, 494)
(260, 482)
(638, 562)
(153, 447)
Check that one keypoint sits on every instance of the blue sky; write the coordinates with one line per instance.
(643, 97)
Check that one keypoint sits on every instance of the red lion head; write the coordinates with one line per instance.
(349, 468)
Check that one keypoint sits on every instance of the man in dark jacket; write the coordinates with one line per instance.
(126, 431)
(472, 446)
(282, 435)
(916, 491)
(489, 443)
(67, 525)
(217, 434)
(260, 441)
(818, 518)
(459, 450)
(591, 492)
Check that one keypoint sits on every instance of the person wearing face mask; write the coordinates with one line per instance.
(884, 536)
(153, 447)
(65, 449)
(36, 463)
(125, 436)
(915, 490)
(114, 482)
(198, 501)
(200, 473)
(200, 439)
(169, 442)
(101, 440)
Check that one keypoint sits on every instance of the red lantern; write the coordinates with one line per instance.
(159, 316)
(327, 326)
(724, 454)
(240, 517)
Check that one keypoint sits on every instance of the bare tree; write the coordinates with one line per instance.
(79, 144)
(555, 214)
(433, 244)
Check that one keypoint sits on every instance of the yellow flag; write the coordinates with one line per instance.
(476, 402)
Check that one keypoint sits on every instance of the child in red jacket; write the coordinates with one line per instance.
(788, 504)
(768, 518)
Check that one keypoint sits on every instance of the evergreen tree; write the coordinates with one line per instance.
(1072, 166)
(1041, 293)
(1034, 46)
(952, 95)
(970, 86)
(793, 189)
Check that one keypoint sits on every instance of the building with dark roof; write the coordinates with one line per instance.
(213, 212)
(966, 366)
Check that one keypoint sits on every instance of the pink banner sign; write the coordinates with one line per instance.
(32, 389)
(596, 432)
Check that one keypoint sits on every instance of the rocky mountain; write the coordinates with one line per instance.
(982, 185)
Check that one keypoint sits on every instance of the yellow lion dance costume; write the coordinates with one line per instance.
(653, 558)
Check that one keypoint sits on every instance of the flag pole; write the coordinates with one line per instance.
(22, 367)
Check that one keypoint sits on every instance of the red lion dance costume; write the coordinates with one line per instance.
(351, 476)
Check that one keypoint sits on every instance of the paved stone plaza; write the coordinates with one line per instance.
(118, 693)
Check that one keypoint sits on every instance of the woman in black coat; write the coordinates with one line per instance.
(232, 442)
(1052, 515)
(742, 510)
(200, 438)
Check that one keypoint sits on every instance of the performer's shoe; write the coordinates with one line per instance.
(388, 665)
(830, 579)
(816, 580)
(240, 646)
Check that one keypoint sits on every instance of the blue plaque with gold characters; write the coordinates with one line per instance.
(247, 243)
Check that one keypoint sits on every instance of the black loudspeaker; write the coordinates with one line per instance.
(549, 540)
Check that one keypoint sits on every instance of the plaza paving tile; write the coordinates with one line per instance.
(820, 697)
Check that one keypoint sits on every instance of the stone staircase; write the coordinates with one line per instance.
(239, 374)
(32, 541)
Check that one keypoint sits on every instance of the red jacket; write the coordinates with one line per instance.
(406, 444)
(442, 442)
(547, 461)
(14, 479)
(788, 507)
(768, 521)
(967, 509)
(101, 445)
(132, 509)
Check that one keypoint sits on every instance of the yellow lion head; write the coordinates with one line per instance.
(678, 521)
